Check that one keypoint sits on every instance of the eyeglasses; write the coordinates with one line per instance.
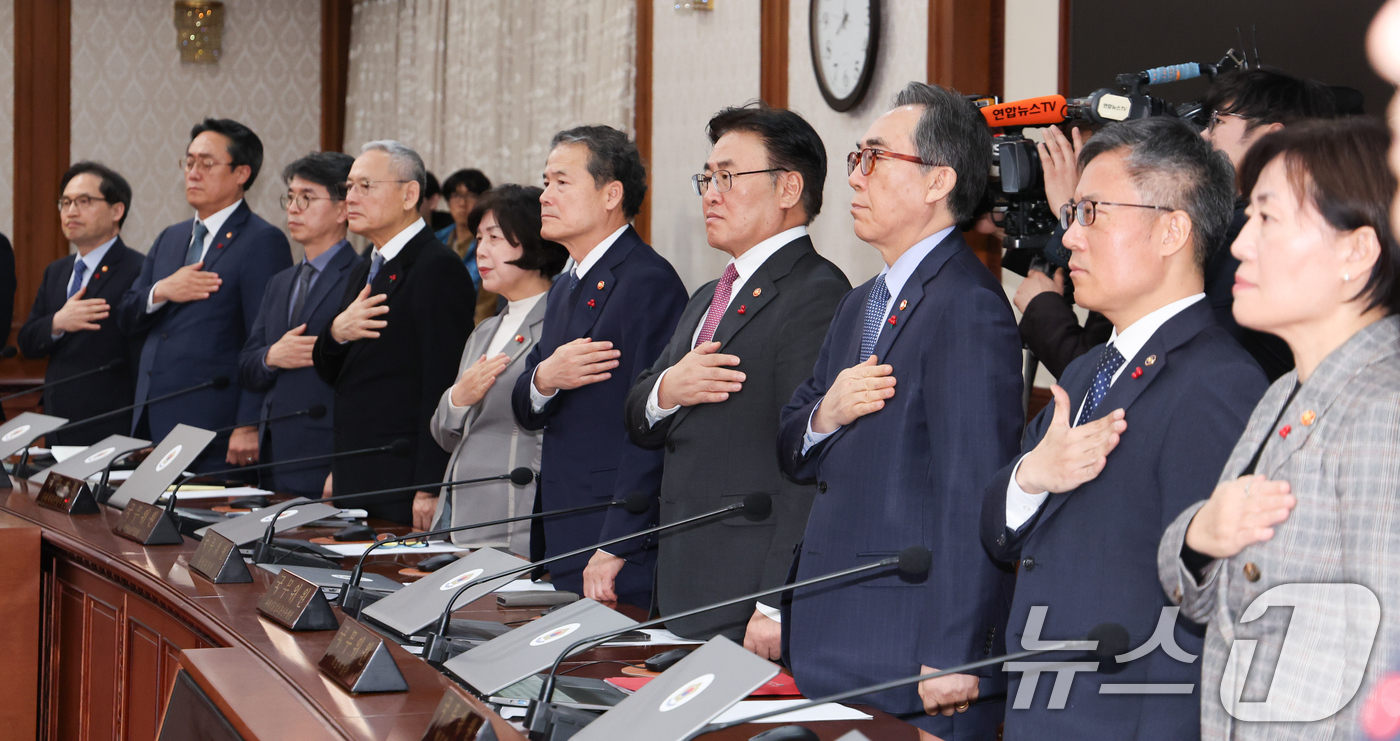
(82, 202)
(460, 196)
(302, 200)
(203, 165)
(866, 159)
(415, 543)
(365, 186)
(723, 180)
(1085, 211)
(1215, 119)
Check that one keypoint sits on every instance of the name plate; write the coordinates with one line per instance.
(358, 660)
(218, 560)
(297, 604)
(147, 524)
(67, 494)
(456, 720)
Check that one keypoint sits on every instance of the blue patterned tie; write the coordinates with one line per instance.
(573, 279)
(196, 249)
(1109, 363)
(875, 306)
(376, 261)
(79, 269)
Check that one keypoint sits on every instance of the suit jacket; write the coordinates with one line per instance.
(1270, 352)
(1336, 446)
(190, 343)
(1089, 556)
(78, 352)
(632, 297)
(485, 440)
(387, 388)
(716, 454)
(288, 391)
(1052, 333)
(909, 474)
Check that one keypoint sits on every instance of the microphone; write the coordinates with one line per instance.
(398, 448)
(9, 352)
(1110, 640)
(351, 596)
(218, 383)
(315, 411)
(1042, 111)
(913, 561)
(756, 507)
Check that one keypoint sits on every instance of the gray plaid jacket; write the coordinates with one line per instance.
(1338, 445)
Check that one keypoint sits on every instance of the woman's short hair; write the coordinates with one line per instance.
(517, 211)
(1340, 167)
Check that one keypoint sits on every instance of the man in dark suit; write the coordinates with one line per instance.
(743, 345)
(299, 304)
(198, 294)
(905, 465)
(394, 345)
(607, 318)
(70, 320)
(1139, 431)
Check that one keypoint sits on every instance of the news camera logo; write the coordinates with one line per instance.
(554, 635)
(99, 455)
(16, 432)
(688, 691)
(169, 458)
(460, 579)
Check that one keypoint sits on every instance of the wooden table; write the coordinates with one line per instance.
(119, 621)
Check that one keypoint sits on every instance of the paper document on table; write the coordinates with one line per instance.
(358, 549)
(188, 492)
(825, 711)
(62, 453)
(525, 585)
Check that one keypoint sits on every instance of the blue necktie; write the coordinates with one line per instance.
(299, 291)
(79, 269)
(875, 306)
(375, 263)
(1109, 363)
(573, 279)
(196, 248)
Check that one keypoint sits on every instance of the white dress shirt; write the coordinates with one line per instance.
(1021, 506)
(744, 265)
(214, 223)
(393, 247)
(91, 260)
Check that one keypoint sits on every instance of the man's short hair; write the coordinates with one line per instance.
(244, 147)
(473, 179)
(952, 133)
(517, 211)
(1266, 96)
(407, 165)
(1172, 166)
(611, 156)
(792, 145)
(329, 170)
(113, 187)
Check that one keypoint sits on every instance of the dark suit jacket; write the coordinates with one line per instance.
(188, 344)
(387, 388)
(1270, 352)
(1090, 555)
(288, 391)
(78, 352)
(1051, 331)
(716, 454)
(632, 297)
(909, 474)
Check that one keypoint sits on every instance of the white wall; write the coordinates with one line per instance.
(134, 101)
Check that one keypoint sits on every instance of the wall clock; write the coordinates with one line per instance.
(844, 35)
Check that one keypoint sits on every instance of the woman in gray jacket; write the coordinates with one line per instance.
(473, 420)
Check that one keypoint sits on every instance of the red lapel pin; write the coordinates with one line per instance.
(219, 246)
(893, 320)
(520, 338)
(1137, 373)
(1284, 432)
(592, 303)
(393, 277)
(742, 308)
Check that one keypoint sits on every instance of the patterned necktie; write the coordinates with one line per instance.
(79, 269)
(875, 306)
(303, 287)
(1109, 363)
(196, 248)
(573, 279)
(717, 305)
(375, 263)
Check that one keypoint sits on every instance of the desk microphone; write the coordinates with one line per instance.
(117, 364)
(756, 507)
(315, 411)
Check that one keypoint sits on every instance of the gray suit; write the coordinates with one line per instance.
(1338, 446)
(485, 440)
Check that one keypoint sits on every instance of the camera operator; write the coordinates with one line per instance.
(1243, 106)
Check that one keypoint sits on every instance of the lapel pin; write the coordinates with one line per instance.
(893, 320)
(1150, 360)
(903, 304)
(1284, 432)
(219, 246)
(520, 338)
(104, 268)
(742, 308)
(600, 285)
(1137, 373)
(393, 277)
(592, 303)
(757, 292)
(1309, 417)
(229, 235)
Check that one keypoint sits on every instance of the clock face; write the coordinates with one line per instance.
(844, 35)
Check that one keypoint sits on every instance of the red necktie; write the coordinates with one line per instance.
(718, 305)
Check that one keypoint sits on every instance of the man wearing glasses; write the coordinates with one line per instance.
(198, 294)
(1139, 428)
(299, 304)
(70, 322)
(742, 346)
(399, 330)
(913, 405)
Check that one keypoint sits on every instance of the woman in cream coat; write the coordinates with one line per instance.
(474, 421)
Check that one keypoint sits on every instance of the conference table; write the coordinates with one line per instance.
(97, 632)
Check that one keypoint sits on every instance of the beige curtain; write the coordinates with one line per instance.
(486, 83)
